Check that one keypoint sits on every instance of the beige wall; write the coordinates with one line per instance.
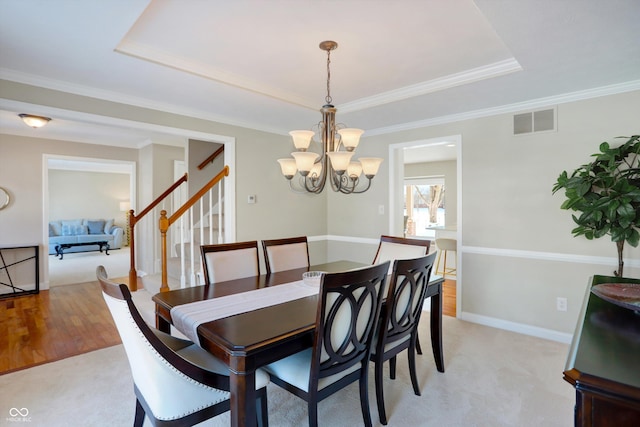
(517, 253)
(77, 194)
(21, 172)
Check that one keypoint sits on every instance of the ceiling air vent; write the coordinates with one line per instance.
(534, 121)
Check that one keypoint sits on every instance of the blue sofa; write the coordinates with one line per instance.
(84, 230)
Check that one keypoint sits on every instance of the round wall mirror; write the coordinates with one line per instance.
(4, 198)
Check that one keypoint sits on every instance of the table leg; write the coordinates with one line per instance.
(436, 329)
(162, 325)
(243, 399)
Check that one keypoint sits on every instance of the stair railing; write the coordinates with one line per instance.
(165, 222)
(211, 158)
(134, 219)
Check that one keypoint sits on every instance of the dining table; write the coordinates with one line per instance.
(251, 339)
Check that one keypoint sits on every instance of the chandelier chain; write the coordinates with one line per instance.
(328, 98)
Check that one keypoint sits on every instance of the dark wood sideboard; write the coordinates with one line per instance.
(604, 362)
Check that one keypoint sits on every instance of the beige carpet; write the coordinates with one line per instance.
(493, 378)
(80, 267)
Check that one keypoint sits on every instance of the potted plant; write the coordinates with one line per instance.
(606, 192)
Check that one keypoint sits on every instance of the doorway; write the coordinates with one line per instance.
(87, 188)
(402, 158)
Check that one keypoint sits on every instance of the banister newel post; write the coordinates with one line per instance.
(133, 275)
(164, 226)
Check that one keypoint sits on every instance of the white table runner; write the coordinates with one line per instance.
(187, 317)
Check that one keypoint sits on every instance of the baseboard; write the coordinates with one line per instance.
(521, 328)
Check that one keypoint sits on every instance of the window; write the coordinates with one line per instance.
(423, 205)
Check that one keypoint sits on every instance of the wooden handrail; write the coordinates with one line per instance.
(211, 158)
(165, 222)
(133, 220)
(160, 198)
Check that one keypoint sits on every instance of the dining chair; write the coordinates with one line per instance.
(229, 261)
(398, 330)
(348, 312)
(286, 254)
(391, 248)
(176, 382)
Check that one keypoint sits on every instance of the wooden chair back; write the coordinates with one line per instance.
(348, 313)
(392, 248)
(286, 254)
(229, 261)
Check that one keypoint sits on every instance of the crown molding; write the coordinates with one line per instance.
(52, 84)
(458, 79)
(29, 79)
(512, 108)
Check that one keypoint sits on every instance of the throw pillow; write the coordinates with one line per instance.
(56, 228)
(81, 229)
(72, 223)
(67, 230)
(107, 226)
(96, 227)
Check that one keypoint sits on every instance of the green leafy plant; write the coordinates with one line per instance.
(606, 192)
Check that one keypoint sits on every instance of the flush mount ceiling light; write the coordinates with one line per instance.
(333, 163)
(34, 121)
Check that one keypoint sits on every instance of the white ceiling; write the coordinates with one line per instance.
(400, 64)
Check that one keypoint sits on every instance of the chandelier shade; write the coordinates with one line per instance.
(354, 169)
(304, 161)
(340, 160)
(302, 138)
(334, 162)
(370, 166)
(288, 167)
(350, 137)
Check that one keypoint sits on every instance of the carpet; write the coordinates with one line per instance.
(493, 378)
(80, 267)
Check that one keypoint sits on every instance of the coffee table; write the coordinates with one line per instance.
(61, 247)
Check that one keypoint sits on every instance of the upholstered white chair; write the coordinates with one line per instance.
(348, 312)
(398, 329)
(392, 248)
(230, 261)
(176, 382)
(286, 254)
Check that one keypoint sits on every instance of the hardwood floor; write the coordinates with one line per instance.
(54, 324)
(73, 319)
(449, 298)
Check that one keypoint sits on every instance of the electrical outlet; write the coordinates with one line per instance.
(561, 304)
(251, 199)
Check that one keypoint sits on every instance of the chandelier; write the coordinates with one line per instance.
(338, 145)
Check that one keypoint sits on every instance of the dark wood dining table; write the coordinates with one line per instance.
(249, 340)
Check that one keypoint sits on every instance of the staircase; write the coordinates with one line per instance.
(172, 247)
